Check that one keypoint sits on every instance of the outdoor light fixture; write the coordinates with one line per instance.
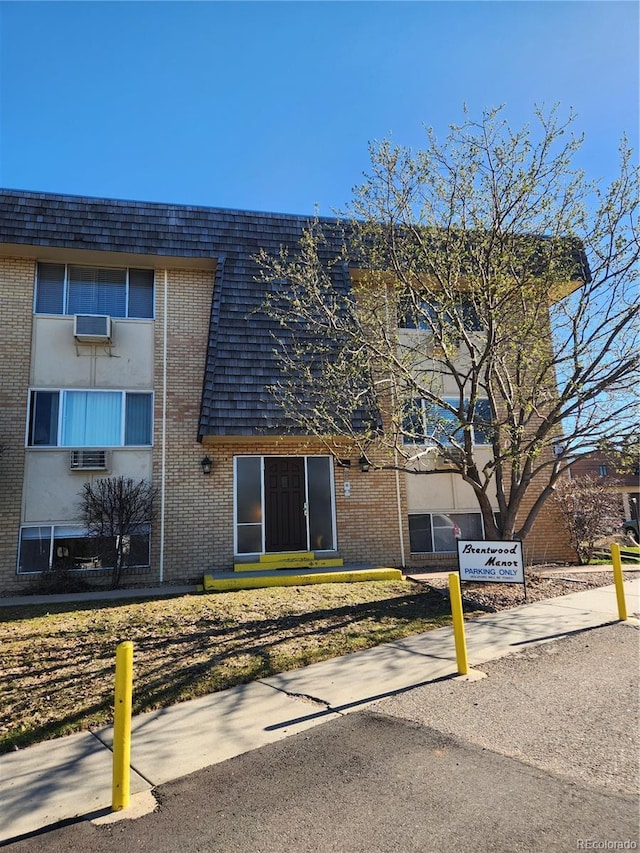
(364, 464)
(206, 464)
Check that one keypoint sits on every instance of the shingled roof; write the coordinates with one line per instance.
(240, 364)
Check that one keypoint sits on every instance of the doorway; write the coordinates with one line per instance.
(284, 503)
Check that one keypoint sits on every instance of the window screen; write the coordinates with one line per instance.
(140, 293)
(93, 290)
(43, 424)
(50, 289)
(137, 428)
(420, 533)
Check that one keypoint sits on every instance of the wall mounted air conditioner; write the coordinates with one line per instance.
(89, 460)
(92, 328)
(446, 463)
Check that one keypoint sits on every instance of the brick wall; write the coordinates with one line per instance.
(369, 526)
(367, 519)
(548, 541)
(188, 526)
(16, 306)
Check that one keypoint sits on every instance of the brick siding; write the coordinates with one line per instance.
(188, 526)
(16, 305)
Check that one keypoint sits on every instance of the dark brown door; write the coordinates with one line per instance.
(284, 495)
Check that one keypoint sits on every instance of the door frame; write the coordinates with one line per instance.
(261, 457)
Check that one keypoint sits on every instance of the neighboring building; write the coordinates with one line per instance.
(133, 343)
(621, 479)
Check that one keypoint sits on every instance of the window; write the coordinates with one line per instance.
(90, 419)
(435, 532)
(603, 470)
(74, 289)
(249, 504)
(425, 422)
(420, 315)
(64, 546)
(482, 432)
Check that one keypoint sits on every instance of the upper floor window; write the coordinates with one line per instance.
(90, 419)
(424, 314)
(426, 422)
(75, 289)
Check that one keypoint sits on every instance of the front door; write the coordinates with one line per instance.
(284, 503)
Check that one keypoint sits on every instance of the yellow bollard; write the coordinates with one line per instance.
(619, 581)
(121, 778)
(458, 623)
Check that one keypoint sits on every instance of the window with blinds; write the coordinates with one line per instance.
(424, 422)
(76, 289)
(90, 418)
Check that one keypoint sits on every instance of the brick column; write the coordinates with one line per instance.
(16, 310)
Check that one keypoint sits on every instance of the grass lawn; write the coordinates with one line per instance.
(629, 554)
(58, 660)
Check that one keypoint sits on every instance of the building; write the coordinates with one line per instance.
(619, 478)
(133, 343)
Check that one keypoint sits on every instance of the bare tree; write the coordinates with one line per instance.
(591, 509)
(490, 319)
(113, 510)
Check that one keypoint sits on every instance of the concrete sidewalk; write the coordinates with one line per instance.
(71, 777)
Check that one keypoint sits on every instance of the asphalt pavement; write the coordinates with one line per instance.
(383, 750)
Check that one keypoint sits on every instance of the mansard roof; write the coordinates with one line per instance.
(241, 363)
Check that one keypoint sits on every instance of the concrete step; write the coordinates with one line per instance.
(285, 556)
(296, 560)
(258, 579)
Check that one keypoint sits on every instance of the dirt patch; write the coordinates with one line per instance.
(542, 583)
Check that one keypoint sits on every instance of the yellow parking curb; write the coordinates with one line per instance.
(212, 584)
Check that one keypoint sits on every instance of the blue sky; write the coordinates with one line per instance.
(271, 105)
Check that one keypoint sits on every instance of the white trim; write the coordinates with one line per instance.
(163, 464)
